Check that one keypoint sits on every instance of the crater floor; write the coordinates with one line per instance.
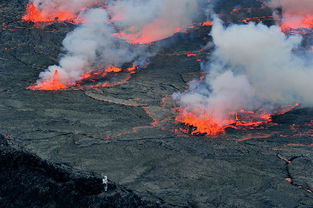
(127, 133)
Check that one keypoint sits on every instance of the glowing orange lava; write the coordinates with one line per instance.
(202, 123)
(113, 69)
(294, 23)
(199, 122)
(33, 14)
(207, 24)
(92, 76)
(52, 84)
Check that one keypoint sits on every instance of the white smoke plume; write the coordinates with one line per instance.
(115, 35)
(92, 46)
(253, 67)
(295, 13)
(153, 20)
(294, 7)
(73, 6)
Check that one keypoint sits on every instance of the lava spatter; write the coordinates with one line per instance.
(52, 84)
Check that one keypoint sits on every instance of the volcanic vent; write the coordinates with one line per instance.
(107, 48)
(104, 101)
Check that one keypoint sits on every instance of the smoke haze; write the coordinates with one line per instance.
(292, 7)
(253, 67)
(115, 35)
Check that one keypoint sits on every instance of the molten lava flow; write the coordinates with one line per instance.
(207, 24)
(294, 23)
(86, 79)
(199, 122)
(51, 84)
(33, 14)
(113, 69)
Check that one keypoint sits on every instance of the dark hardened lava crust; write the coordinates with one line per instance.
(56, 146)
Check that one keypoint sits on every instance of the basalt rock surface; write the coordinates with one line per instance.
(28, 181)
(127, 133)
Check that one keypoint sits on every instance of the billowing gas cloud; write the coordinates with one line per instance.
(92, 46)
(296, 14)
(114, 35)
(253, 67)
(73, 6)
(152, 20)
(292, 7)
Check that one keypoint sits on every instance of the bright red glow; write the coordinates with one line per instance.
(199, 122)
(132, 69)
(33, 14)
(208, 23)
(52, 84)
(191, 54)
(113, 69)
(55, 84)
(293, 23)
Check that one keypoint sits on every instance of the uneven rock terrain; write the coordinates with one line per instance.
(127, 133)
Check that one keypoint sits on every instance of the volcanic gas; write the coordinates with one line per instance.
(100, 78)
(199, 122)
(294, 23)
(117, 34)
(243, 85)
(53, 83)
(33, 14)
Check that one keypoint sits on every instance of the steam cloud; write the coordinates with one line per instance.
(292, 7)
(296, 14)
(148, 21)
(73, 6)
(253, 67)
(92, 46)
(114, 35)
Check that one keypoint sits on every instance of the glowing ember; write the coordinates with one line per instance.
(52, 84)
(33, 14)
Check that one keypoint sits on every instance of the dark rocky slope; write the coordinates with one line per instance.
(28, 181)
